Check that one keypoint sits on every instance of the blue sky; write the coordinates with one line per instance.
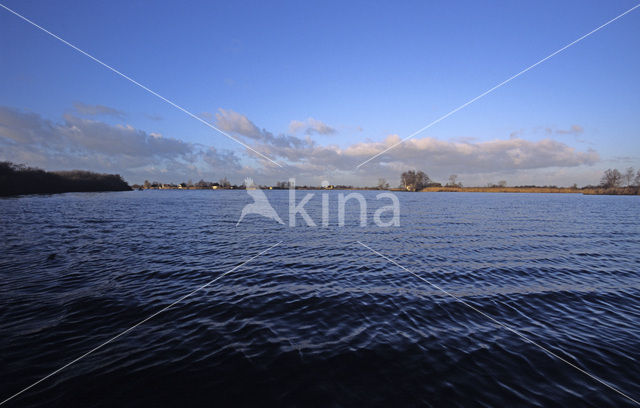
(365, 71)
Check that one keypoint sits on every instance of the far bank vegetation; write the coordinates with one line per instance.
(613, 182)
(18, 179)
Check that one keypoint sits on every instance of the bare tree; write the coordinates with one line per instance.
(628, 176)
(407, 179)
(502, 183)
(636, 181)
(422, 180)
(452, 181)
(224, 183)
(202, 184)
(611, 178)
(414, 181)
(382, 184)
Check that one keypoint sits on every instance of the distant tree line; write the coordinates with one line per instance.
(499, 184)
(16, 179)
(613, 178)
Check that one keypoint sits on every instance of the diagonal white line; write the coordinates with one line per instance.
(139, 84)
(464, 105)
(138, 324)
(527, 339)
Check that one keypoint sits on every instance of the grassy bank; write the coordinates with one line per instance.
(587, 190)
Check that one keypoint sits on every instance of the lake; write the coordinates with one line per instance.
(319, 319)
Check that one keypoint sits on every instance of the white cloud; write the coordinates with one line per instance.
(92, 145)
(78, 142)
(296, 126)
(310, 126)
(496, 155)
(98, 110)
(234, 122)
(573, 130)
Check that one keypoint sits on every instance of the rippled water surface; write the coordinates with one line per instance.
(319, 319)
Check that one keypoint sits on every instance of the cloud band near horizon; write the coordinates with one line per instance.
(87, 143)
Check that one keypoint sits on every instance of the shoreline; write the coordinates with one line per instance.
(629, 191)
(564, 190)
(543, 190)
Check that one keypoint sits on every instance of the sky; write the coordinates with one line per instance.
(320, 87)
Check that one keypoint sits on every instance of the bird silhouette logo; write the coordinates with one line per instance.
(260, 205)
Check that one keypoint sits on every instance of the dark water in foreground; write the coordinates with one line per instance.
(319, 320)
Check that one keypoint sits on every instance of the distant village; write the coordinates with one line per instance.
(224, 184)
(613, 182)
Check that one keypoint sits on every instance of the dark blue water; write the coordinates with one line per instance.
(319, 319)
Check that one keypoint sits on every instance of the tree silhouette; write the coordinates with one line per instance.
(414, 181)
(611, 178)
(18, 179)
(628, 176)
